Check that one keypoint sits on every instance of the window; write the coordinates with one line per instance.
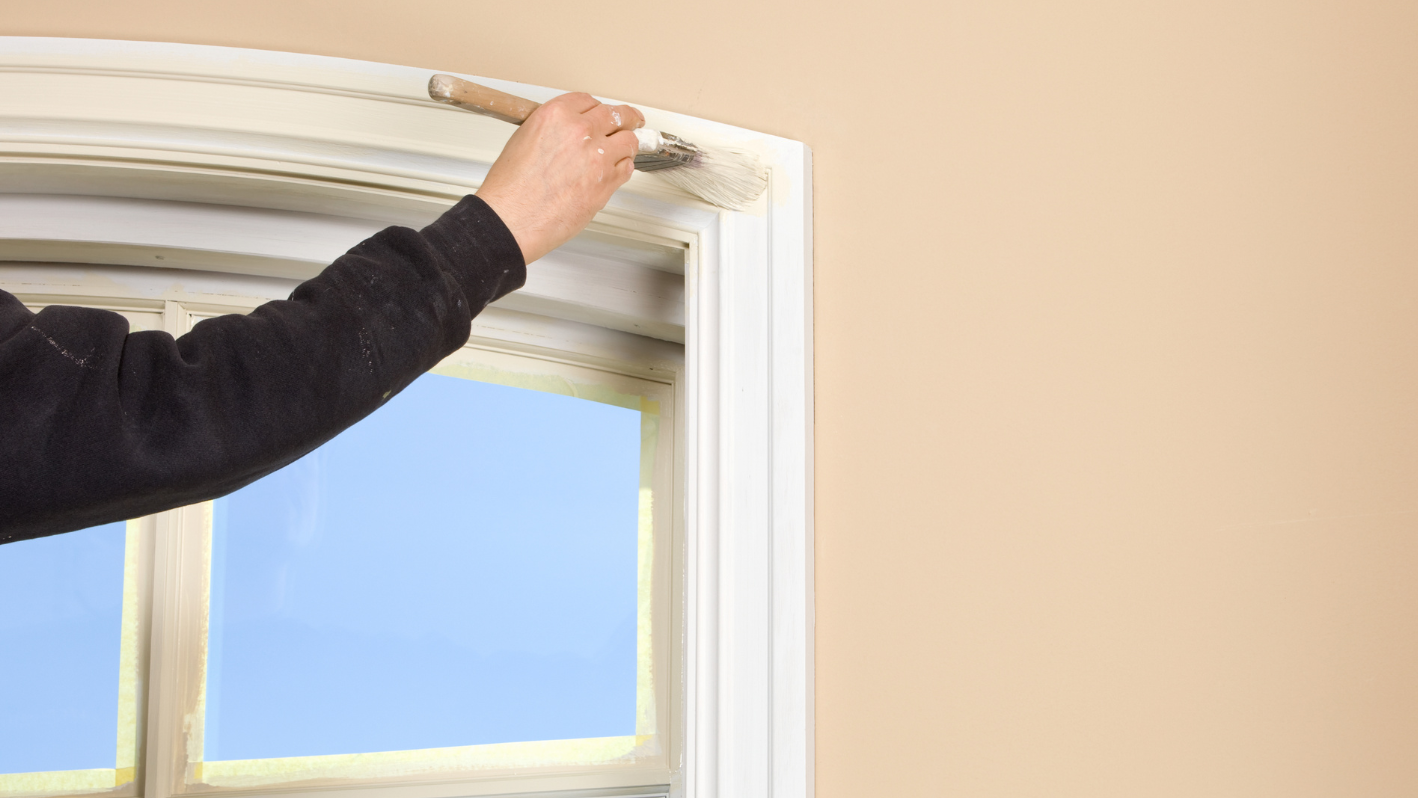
(460, 569)
(474, 579)
(203, 180)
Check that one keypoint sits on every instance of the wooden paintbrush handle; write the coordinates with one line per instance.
(480, 99)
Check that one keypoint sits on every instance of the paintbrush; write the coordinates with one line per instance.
(729, 178)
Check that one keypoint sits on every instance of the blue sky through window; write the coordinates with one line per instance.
(459, 568)
(61, 618)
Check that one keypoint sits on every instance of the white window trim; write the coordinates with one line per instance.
(745, 316)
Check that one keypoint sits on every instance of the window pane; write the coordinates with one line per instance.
(458, 569)
(61, 628)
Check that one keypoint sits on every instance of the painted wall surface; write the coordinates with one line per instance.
(1117, 360)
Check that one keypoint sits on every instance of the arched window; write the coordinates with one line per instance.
(617, 596)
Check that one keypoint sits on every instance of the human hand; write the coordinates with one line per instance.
(560, 168)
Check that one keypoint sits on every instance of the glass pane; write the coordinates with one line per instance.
(459, 568)
(61, 629)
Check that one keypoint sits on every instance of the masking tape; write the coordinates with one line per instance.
(498, 756)
(645, 572)
(128, 676)
(546, 383)
(57, 782)
(194, 723)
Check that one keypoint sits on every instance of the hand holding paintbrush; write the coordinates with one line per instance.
(728, 178)
(559, 169)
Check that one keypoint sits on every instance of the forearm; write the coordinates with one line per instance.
(97, 425)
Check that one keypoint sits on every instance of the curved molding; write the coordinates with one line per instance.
(287, 117)
(593, 287)
(348, 147)
(254, 166)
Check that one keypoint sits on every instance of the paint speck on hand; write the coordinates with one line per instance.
(616, 116)
(601, 151)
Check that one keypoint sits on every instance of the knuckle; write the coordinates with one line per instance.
(627, 141)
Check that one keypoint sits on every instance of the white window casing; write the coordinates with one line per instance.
(180, 181)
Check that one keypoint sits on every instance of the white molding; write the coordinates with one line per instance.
(590, 285)
(191, 132)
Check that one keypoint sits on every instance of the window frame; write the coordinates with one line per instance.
(746, 322)
(183, 536)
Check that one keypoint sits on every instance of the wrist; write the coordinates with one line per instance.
(515, 221)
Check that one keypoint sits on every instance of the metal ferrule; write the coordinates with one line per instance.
(663, 150)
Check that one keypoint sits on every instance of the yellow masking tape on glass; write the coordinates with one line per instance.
(546, 383)
(645, 576)
(128, 689)
(498, 756)
(59, 782)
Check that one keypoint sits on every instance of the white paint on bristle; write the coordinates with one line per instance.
(731, 179)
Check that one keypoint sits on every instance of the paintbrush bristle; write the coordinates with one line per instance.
(731, 179)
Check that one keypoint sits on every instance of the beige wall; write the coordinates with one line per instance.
(1117, 360)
